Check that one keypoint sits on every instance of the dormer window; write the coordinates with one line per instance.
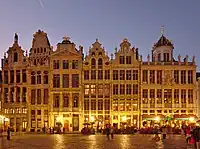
(121, 60)
(15, 57)
(93, 53)
(166, 57)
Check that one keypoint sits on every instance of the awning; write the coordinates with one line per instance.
(185, 117)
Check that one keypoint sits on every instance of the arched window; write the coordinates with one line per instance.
(93, 63)
(15, 57)
(65, 100)
(75, 101)
(100, 63)
(33, 77)
(39, 77)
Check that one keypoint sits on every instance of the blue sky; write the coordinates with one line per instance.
(109, 20)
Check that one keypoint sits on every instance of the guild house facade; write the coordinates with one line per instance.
(46, 87)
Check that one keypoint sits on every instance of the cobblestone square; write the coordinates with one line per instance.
(28, 141)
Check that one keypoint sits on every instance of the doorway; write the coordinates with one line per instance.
(75, 122)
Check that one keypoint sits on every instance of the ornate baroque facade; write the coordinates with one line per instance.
(47, 87)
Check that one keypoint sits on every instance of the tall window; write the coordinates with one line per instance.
(183, 77)
(115, 89)
(93, 90)
(159, 77)
(100, 104)
(33, 80)
(86, 104)
(100, 63)
(122, 74)
(33, 96)
(65, 64)
(18, 94)
(46, 96)
(93, 104)
(190, 96)
(87, 89)
(12, 76)
(12, 94)
(75, 80)
(107, 75)
(128, 88)
(122, 89)
(190, 77)
(56, 80)
(128, 59)
(65, 100)
(128, 74)
(5, 95)
(75, 101)
(46, 77)
(100, 90)
(93, 74)
(18, 76)
(159, 96)
(115, 74)
(115, 105)
(15, 57)
(121, 60)
(152, 76)
(176, 76)
(5, 77)
(176, 96)
(183, 96)
(135, 88)
(39, 77)
(107, 104)
(65, 79)
(86, 74)
(56, 100)
(75, 64)
(107, 90)
(39, 98)
(24, 75)
(100, 74)
(93, 63)
(24, 92)
(56, 64)
(145, 76)
(145, 96)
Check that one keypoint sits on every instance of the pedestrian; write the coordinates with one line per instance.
(164, 132)
(108, 132)
(8, 133)
(112, 132)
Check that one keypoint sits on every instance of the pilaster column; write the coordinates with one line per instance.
(186, 75)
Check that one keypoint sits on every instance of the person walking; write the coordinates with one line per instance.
(8, 133)
(164, 132)
(112, 132)
(108, 132)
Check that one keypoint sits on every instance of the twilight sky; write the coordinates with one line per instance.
(108, 20)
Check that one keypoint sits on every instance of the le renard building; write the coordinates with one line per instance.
(49, 87)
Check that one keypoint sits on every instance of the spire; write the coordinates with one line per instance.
(162, 30)
(16, 38)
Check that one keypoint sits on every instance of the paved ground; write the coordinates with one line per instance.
(68, 141)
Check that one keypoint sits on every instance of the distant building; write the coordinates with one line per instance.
(46, 88)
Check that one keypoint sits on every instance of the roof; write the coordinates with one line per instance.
(163, 41)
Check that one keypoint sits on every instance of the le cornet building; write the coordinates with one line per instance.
(46, 87)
